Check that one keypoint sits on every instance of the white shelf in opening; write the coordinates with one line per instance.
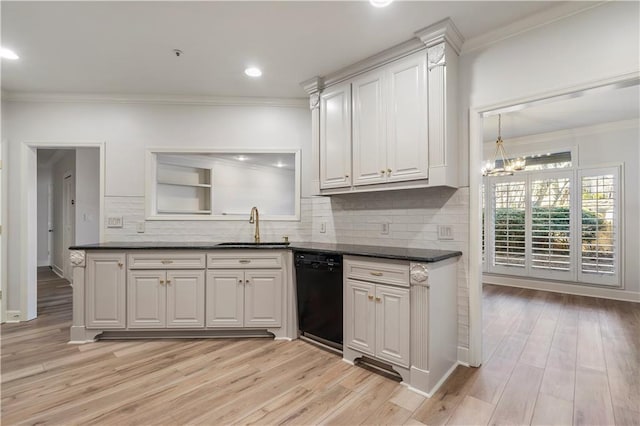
(196, 185)
(184, 211)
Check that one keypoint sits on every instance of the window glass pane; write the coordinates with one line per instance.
(509, 220)
(551, 224)
(598, 225)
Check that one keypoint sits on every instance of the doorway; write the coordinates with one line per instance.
(68, 202)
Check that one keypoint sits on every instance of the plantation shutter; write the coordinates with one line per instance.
(509, 225)
(551, 235)
(599, 261)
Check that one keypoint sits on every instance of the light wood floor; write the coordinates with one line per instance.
(550, 359)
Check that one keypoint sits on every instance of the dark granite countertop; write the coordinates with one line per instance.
(400, 253)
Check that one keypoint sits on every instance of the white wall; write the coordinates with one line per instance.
(87, 195)
(44, 182)
(128, 129)
(59, 170)
(598, 43)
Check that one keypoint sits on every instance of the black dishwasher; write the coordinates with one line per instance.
(319, 285)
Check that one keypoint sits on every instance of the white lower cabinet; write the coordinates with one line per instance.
(165, 299)
(249, 298)
(377, 321)
(106, 286)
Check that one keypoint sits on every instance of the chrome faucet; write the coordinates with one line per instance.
(255, 218)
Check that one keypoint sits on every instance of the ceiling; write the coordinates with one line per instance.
(126, 47)
(602, 106)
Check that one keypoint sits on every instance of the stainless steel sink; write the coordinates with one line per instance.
(252, 245)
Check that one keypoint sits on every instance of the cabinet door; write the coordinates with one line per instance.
(185, 299)
(106, 290)
(369, 138)
(263, 298)
(335, 137)
(147, 299)
(407, 132)
(392, 325)
(360, 321)
(225, 298)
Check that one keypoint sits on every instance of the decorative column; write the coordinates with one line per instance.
(419, 280)
(313, 87)
(78, 261)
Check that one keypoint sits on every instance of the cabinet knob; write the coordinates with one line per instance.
(168, 281)
(346, 176)
(382, 171)
(244, 261)
(120, 265)
(166, 262)
(161, 281)
(246, 281)
(378, 299)
(370, 297)
(389, 170)
(240, 281)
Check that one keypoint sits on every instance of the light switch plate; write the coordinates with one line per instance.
(140, 227)
(114, 222)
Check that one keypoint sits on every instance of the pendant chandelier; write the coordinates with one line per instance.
(508, 165)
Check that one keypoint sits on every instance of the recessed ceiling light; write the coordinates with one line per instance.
(279, 164)
(241, 158)
(380, 3)
(253, 72)
(8, 54)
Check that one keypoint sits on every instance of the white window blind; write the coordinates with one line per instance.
(553, 224)
(599, 226)
(509, 219)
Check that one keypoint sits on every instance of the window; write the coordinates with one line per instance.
(554, 224)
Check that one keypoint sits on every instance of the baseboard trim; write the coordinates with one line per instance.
(555, 287)
(57, 271)
(14, 316)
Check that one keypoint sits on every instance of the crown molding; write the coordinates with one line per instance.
(388, 55)
(441, 31)
(153, 99)
(528, 23)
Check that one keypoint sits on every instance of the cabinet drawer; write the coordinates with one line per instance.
(166, 260)
(378, 271)
(244, 260)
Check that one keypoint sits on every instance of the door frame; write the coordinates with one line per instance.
(68, 236)
(476, 116)
(28, 225)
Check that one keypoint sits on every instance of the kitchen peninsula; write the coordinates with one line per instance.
(394, 298)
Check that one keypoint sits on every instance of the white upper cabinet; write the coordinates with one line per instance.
(369, 141)
(407, 118)
(390, 133)
(401, 125)
(335, 137)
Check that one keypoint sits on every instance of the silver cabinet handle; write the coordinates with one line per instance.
(376, 274)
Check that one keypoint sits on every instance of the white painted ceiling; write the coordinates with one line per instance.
(603, 106)
(126, 47)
